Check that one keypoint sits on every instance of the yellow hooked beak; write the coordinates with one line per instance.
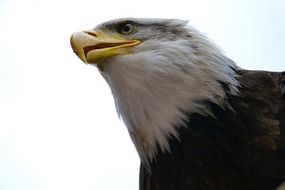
(94, 46)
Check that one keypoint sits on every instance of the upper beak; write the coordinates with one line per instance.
(93, 46)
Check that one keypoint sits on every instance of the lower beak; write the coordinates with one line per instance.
(95, 46)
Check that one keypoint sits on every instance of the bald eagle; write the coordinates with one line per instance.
(197, 120)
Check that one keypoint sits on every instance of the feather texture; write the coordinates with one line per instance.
(241, 148)
(154, 87)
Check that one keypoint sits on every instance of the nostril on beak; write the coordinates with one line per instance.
(91, 33)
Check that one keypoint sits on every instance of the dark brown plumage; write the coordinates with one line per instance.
(243, 148)
(282, 84)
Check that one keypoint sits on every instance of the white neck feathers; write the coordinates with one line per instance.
(155, 85)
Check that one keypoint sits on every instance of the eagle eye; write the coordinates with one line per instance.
(126, 28)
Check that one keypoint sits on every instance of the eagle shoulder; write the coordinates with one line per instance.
(261, 106)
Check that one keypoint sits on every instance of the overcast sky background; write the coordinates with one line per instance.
(58, 126)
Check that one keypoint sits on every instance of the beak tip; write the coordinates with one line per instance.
(72, 43)
(75, 42)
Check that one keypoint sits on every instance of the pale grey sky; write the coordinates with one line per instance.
(58, 125)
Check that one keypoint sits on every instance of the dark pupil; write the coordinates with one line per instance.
(126, 28)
